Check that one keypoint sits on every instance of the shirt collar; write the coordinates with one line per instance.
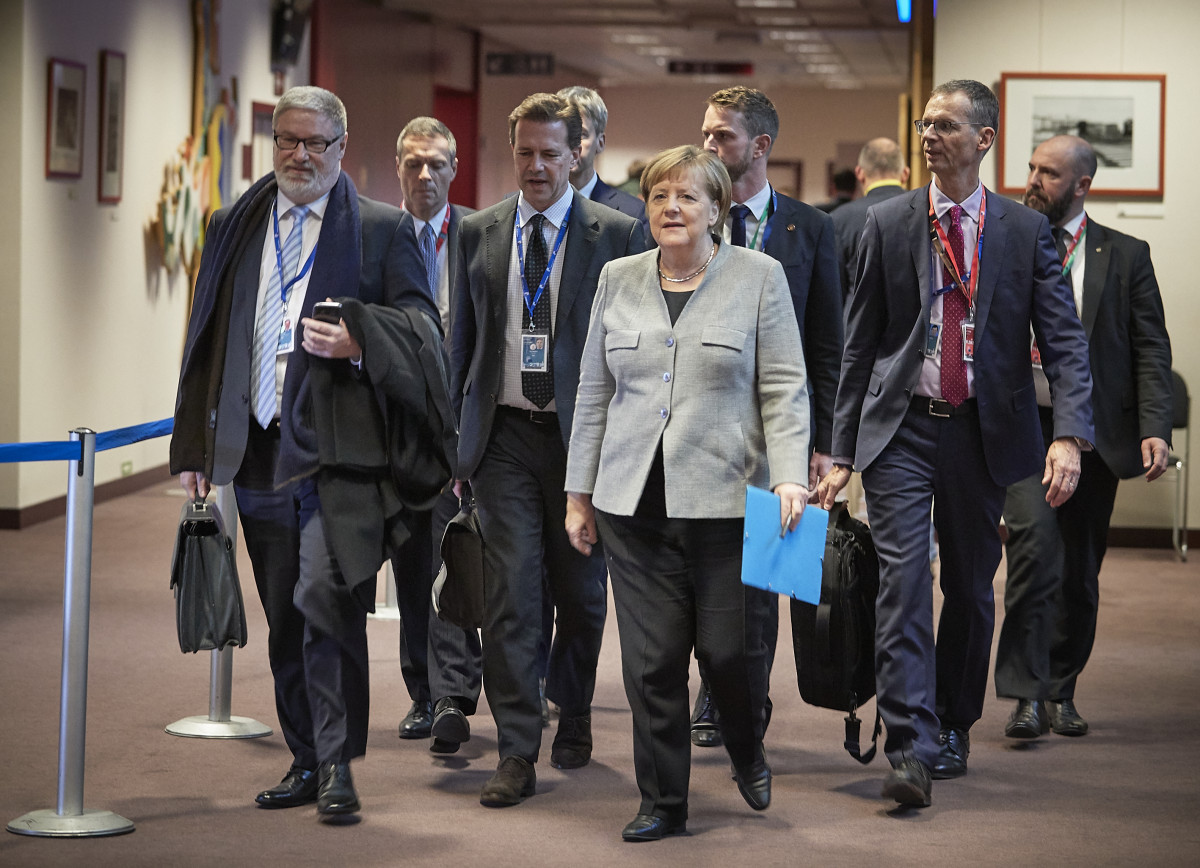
(1072, 225)
(586, 190)
(758, 202)
(437, 221)
(943, 203)
(556, 213)
(316, 208)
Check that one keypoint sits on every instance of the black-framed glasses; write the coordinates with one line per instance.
(313, 146)
(940, 128)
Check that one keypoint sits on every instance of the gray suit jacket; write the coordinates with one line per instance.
(724, 388)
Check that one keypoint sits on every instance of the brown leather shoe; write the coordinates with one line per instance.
(572, 746)
(1064, 719)
(513, 781)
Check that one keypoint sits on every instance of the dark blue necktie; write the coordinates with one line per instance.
(737, 231)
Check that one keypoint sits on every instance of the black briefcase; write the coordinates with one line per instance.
(834, 641)
(458, 589)
(208, 597)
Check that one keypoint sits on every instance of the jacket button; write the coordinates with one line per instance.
(662, 413)
(670, 342)
(667, 377)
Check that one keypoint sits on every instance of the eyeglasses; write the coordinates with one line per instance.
(313, 146)
(940, 128)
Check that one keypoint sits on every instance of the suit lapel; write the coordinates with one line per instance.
(918, 233)
(1096, 256)
(498, 241)
(991, 258)
(582, 233)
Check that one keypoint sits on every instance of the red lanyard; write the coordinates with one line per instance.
(1069, 259)
(441, 239)
(941, 244)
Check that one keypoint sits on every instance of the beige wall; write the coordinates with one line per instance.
(99, 334)
(980, 39)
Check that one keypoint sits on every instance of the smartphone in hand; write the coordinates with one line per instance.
(328, 311)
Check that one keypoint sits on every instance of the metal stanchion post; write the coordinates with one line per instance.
(220, 723)
(71, 819)
(390, 610)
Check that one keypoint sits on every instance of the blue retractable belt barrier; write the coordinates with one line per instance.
(68, 450)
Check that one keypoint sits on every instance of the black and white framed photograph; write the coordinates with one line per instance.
(64, 119)
(112, 125)
(1123, 117)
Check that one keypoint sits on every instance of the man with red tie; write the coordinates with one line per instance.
(936, 407)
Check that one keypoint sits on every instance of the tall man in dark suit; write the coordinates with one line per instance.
(741, 126)
(523, 295)
(583, 177)
(245, 414)
(1054, 556)
(882, 174)
(440, 662)
(936, 408)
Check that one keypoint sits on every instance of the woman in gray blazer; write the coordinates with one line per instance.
(692, 387)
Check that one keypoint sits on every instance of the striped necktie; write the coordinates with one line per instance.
(270, 323)
(428, 245)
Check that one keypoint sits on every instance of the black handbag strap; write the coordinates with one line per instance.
(853, 733)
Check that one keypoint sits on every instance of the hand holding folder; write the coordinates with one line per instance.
(784, 563)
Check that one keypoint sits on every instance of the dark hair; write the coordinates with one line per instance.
(844, 181)
(985, 108)
(546, 108)
(428, 128)
(758, 112)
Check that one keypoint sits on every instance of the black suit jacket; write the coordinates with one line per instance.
(623, 202)
(1130, 349)
(848, 223)
(1020, 282)
(802, 241)
(595, 235)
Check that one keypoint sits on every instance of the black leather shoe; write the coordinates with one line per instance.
(572, 746)
(706, 730)
(952, 758)
(450, 722)
(909, 783)
(513, 781)
(1028, 720)
(1064, 719)
(298, 787)
(418, 721)
(647, 827)
(754, 783)
(336, 794)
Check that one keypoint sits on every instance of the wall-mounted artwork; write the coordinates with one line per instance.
(64, 119)
(112, 125)
(1123, 117)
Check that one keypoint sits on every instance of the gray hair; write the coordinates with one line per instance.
(881, 158)
(589, 103)
(315, 99)
(429, 128)
(985, 108)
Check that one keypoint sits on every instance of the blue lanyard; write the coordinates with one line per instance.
(562, 231)
(284, 289)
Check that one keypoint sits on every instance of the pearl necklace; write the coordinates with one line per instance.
(695, 273)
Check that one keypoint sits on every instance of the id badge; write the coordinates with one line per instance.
(931, 340)
(287, 337)
(1035, 353)
(968, 340)
(535, 354)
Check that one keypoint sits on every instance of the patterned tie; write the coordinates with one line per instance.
(429, 254)
(737, 231)
(270, 323)
(954, 311)
(537, 386)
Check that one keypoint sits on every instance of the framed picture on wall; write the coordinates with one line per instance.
(112, 125)
(64, 119)
(1122, 116)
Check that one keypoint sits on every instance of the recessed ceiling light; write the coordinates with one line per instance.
(765, 4)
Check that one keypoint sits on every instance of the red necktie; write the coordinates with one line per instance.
(954, 311)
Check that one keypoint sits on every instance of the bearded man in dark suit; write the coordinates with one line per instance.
(1054, 556)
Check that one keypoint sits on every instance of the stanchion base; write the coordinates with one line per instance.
(204, 727)
(89, 824)
(385, 613)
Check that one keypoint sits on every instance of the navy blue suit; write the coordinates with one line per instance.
(912, 461)
(623, 202)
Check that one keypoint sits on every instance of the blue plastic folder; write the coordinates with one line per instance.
(790, 564)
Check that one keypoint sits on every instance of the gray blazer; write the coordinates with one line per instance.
(724, 388)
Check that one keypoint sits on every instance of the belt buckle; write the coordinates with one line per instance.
(934, 403)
